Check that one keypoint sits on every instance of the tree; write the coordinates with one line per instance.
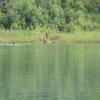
(59, 14)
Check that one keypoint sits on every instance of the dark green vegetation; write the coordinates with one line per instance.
(58, 15)
(50, 72)
(26, 21)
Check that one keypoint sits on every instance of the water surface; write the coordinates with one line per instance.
(50, 72)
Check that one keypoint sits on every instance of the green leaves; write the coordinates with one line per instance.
(63, 15)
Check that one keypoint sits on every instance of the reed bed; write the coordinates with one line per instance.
(22, 36)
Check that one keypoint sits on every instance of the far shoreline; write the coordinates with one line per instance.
(57, 43)
(29, 37)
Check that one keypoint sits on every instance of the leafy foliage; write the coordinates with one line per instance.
(62, 15)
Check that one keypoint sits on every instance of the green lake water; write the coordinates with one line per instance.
(50, 72)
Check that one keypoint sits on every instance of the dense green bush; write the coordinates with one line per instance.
(62, 15)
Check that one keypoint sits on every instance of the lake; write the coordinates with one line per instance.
(50, 72)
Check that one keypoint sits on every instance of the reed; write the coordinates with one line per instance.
(27, 36)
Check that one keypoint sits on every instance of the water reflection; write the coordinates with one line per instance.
(50, 72)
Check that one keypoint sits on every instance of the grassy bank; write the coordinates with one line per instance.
(22, 36)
